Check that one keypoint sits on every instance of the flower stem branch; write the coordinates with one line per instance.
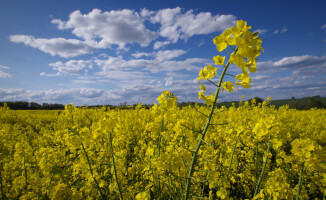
(160, 136)
(231, 159)
(195, 154)
(114, 167)
(297, 197)
(212, 82)
(261, 176)
(90, 169)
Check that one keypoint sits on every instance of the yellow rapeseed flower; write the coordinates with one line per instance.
(219, 60)
(228, 86)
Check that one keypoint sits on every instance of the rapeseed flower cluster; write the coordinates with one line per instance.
(246, 46)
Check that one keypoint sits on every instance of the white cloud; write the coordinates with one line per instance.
(161, 63)
(141, 54)
(105, 29)
(177, 25)
(131, 93)
(300, 61)
(104, 55)
(169, 81)
(48, 75)
(260, 77)
(159, 44)
(102, 29)
(4, 67)
(4, 75)
(304, 77)
(122, 75)
(169, 54)
(65, 48)
(309, 63)
(261, 31)
(323, 26)
(200, 43)
(287, 86)
(71, 67)
(283, 30)
(78, 96)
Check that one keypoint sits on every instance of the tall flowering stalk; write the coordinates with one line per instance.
(245, 46)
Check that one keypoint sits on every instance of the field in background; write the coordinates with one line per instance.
(291, 102)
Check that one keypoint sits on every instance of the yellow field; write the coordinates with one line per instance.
(247, 150)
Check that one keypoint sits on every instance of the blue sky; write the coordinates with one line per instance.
(108, 52)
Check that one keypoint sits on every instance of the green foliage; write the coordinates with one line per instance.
(307, 104)
(256, 101)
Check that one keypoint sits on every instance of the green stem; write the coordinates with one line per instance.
(232, 48)
(160, 136)
(158, 156)
(256, 162)
(233, 151)
(230, 75)
(297, 197)
(90, 169)
(114, 168)
(194, 157)
(261, 176)
(212, 83)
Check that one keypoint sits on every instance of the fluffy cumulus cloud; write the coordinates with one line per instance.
(176, 24)
(65, 48)
(169, 54)
(102, 29)
(159, 44)
(162, 62)
(141, 54)
(71, 67)
(311, 64)
(117, 28)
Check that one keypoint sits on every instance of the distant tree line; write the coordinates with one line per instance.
(304, 103)
(24, 105)
(308, 103)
